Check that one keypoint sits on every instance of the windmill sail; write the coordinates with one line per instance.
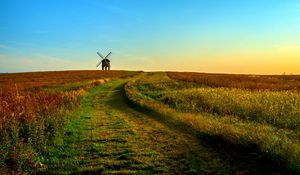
(100, 55)
(108, 55)
(98, 64)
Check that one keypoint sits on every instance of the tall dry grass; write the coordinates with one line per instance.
(280, 108)
(281, 145)
(48, 79)
(33, 107)
(250, 82)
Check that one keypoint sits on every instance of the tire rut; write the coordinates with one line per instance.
(134, 142)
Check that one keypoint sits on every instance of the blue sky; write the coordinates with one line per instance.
(234, 36)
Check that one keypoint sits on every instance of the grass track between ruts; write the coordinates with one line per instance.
(267, 139)
(109, 137)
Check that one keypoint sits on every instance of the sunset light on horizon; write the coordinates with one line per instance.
(215, 36)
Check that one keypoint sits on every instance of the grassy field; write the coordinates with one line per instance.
(249, 82)
(121, 122)
(241, 113)
(32, 110)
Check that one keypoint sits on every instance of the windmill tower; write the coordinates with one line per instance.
(104, 61)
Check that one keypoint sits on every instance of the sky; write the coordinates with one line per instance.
(221, 36)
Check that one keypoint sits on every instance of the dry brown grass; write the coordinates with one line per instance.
(281, 145)
(32, 110)
(43, 79)
(250, 82)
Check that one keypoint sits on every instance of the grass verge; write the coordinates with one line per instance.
(268, 140)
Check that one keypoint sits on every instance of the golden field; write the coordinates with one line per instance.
(32, 110)
(261, 113)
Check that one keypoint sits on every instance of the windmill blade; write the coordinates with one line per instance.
(100, 55)
(99, 63)
(108, 55)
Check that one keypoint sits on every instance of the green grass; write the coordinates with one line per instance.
(156, 125)
(63, 157)
(109, 137)
(153, 92)
(34, 109)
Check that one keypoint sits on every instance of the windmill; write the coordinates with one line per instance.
(105, 61)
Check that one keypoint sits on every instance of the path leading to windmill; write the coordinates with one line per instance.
(111, 137)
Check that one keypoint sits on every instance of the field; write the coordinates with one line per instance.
(259, 113)
(32, 109)
(121, 122)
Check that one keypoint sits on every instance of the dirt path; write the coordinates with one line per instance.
(110, 137)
